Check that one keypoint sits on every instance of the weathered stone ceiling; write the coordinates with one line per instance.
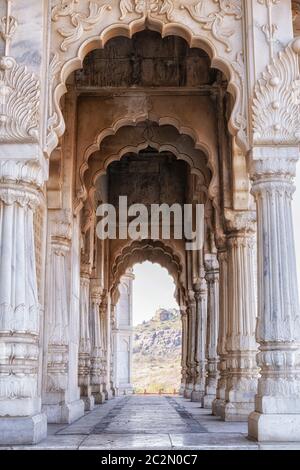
(146, 60)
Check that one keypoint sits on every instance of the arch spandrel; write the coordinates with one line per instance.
(79, 27)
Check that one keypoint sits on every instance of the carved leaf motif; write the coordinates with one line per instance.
(214, 21)
(19, 102)
(81, 23)
(167, 9)
(146, 7)
(276, 108)
(64, 8)
(239, 114)
(126, 6)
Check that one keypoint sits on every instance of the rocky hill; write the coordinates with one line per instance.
(157, 353)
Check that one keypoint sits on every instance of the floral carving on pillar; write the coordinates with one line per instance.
(58, 348)
(19, 91)
(269, 29)
(276, 103)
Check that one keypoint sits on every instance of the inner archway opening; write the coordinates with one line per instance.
(149, 332)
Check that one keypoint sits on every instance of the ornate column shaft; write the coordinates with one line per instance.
(184, 336)
(106, 335)
(123, 335)
(200, 340)
(277, 404)
(212, 278)
(96, 343)
(56, 401)
(19, 307)
(84, 355)
(219, 402)
(191, 319)
(241, 344)
(112, 349)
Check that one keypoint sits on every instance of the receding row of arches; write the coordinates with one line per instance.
(146, 119)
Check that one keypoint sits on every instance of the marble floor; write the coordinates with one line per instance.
(150, 422)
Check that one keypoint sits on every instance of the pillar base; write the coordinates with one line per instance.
(187, 394)
(66, 413)
(188, 390)
(274, 427)
(197, 396)
(108, 394)
(99, 398)
(89, 403)
(23, 430)
(236, 412)
(218, 406)
(207, 401)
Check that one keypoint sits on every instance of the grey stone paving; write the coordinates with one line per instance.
(150, 422)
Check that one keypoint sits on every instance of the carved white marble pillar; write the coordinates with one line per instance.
(22, 175)
(96, 343)
(277, 405)
(21, 420)
(220, 400)
(184, 342)
(84, 354)
(56, 401)
(112, 349)
(106, 332)
(200, 340)
(212, 278)
(191, 317)
(242, 373)
(123, 336)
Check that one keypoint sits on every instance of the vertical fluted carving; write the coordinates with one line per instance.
(219, 402)
(212, 278)
(191, 321)
(184, 322)
(241, 345)
(106, 341)
(201, 337)
(84, 354)
(58, 310)
(19, 305)
(96, 343)
(278, 328)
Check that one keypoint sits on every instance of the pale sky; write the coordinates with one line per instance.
(154, 287)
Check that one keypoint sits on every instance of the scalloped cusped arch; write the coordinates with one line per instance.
(80, 27)
(154, 251)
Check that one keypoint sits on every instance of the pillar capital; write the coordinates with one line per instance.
(272, 163)
(96, 291)
(240, 223)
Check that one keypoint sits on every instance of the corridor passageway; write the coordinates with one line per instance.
(150, 422)
(122, 123)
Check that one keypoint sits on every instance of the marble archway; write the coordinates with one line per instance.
(77, 30)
